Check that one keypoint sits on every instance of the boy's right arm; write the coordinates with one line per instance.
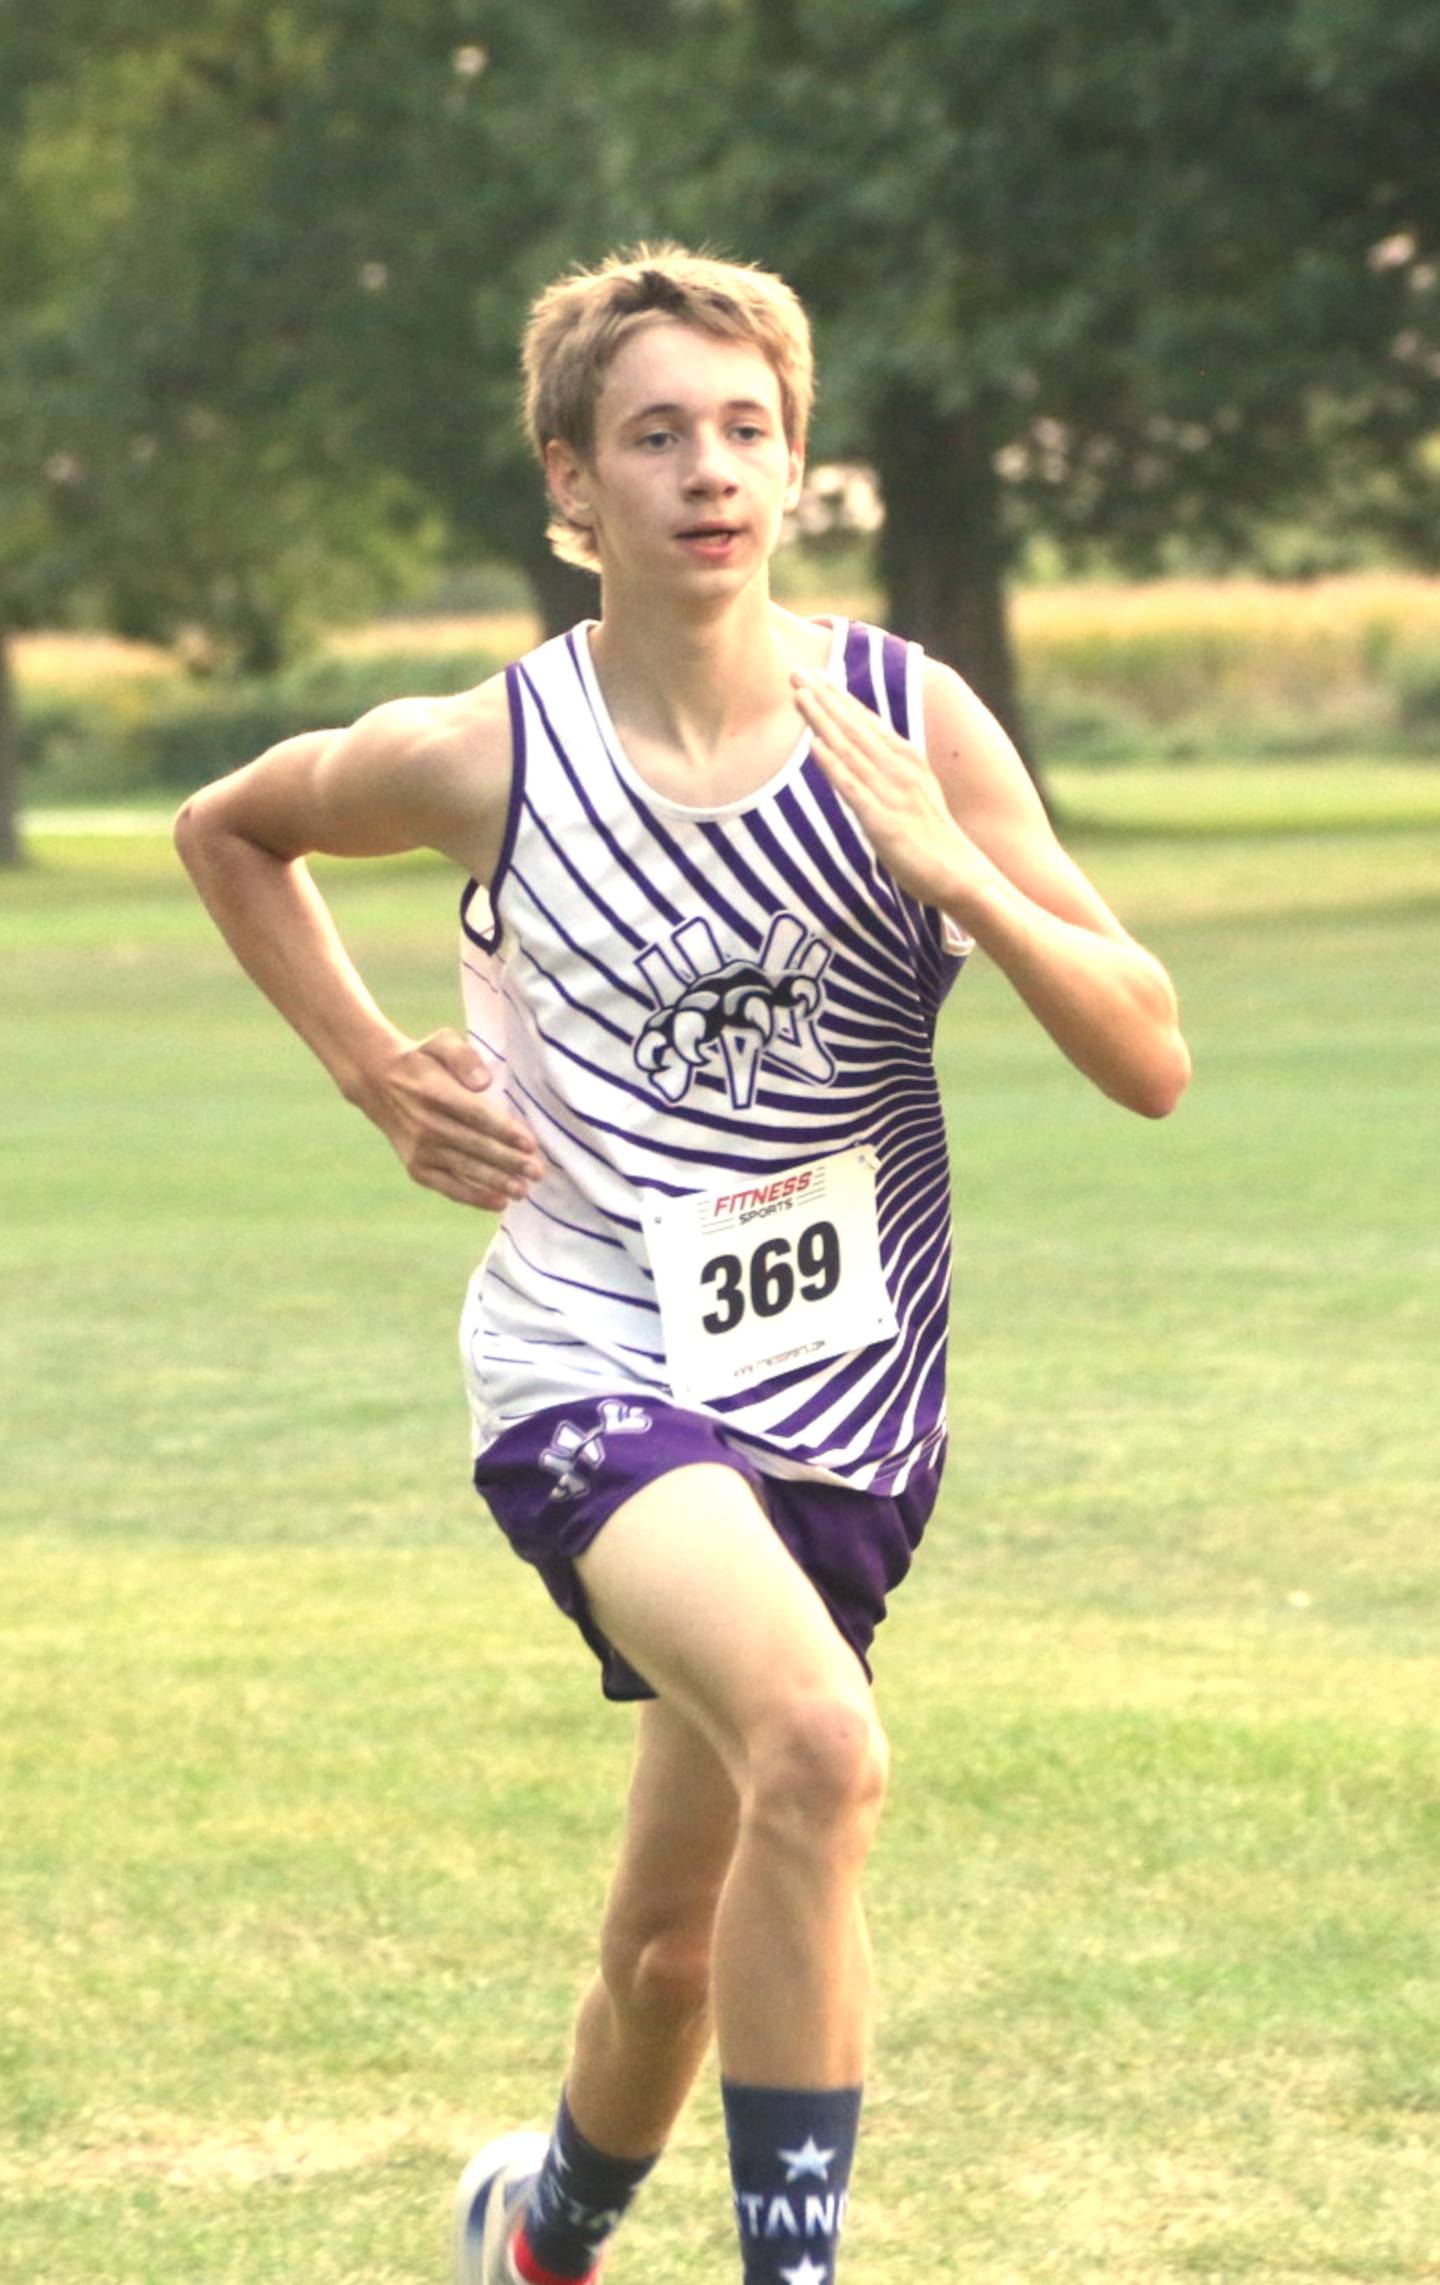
(415, 774)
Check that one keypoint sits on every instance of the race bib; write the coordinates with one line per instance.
(757, 1277)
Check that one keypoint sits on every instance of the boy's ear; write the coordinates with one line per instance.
(566, 480)
(796, 483)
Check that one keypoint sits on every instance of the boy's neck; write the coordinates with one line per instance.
(693, 680)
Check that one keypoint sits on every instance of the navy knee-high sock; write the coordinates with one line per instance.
(790, 2159)
(576, 2204)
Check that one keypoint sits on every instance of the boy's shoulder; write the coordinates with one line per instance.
(551, 650)
(480, 711)
(420, 731)
(433, 771)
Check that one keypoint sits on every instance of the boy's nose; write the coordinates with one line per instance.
(709, 470)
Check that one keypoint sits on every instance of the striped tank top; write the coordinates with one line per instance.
(681, 1000)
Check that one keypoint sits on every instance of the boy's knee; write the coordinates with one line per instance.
(819, 1766)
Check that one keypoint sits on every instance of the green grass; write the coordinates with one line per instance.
(1229, 798)
(308, 1796)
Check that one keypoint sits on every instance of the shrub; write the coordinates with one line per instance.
(1414, 674)
(1171, 671)
(1181, 668)
(177, 732)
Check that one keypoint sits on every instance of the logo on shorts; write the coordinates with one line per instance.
(573, 1454)
(730, 1017)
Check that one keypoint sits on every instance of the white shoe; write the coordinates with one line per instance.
(488, 2204)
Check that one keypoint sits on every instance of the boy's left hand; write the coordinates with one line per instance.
(892, 790)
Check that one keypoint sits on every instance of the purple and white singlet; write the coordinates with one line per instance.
(691, 1009)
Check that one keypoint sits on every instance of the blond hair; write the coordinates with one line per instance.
(577, 324)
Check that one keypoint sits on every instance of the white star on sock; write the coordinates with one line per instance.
(806, 2160)
(808, 2272)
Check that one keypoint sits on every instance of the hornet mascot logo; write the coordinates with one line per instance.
(731, 1017)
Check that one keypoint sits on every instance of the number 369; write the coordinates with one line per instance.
(772, 1278)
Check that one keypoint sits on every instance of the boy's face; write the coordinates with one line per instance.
(691, 474)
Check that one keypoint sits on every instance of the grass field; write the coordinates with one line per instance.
(307, 1796)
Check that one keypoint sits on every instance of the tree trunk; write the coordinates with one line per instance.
(562, 592)
(943, 555)
(10, 849)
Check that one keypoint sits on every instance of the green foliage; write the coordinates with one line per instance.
(201, 470)
(175, 732)
(1190, 668)
(1140, 245)
(1176, 671)
(1417, 677)
(265, 269)
(1153, 283)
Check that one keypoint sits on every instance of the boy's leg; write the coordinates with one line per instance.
(541, 2212)
(645, 2022)
(690, 1582)
(692, 1585)
(756, 1794)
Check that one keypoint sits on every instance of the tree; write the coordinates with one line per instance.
(171, 461)
(25, 522)
(1115, 272)
(267, 359)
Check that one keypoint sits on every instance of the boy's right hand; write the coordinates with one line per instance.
(429, 1099)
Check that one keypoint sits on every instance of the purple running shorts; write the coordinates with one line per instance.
(552, 1481)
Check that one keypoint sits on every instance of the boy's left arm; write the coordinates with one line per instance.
(965, 831)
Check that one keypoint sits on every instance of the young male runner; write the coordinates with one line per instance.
(717, 894)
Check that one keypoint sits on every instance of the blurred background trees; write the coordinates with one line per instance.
(1143, 285)
(1141, 279)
